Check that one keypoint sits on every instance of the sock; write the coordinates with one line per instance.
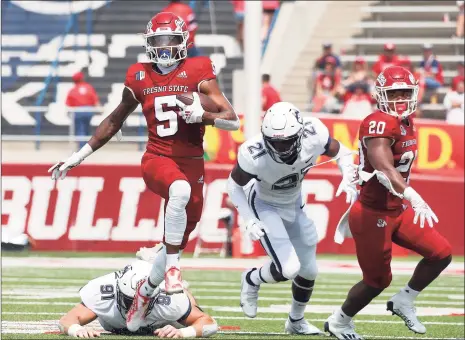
(172, 260)
(301, 293)
(342, 317)
(157, 274)
(409, 293)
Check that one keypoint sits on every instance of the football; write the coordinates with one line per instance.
(208, 104)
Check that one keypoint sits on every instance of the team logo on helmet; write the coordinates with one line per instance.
(298, 116)
(412, 79)
(179, 23)
(381, 79)
(149, 27)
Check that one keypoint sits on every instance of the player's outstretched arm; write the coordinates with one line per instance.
(380, 156)
(107, 129)
(74, 321)
(227, 119)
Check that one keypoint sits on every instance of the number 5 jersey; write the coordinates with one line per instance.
(169, 134)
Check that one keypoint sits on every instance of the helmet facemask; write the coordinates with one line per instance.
(397, 107)
(284, 150)
(166, 48)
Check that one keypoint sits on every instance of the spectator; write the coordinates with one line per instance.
(84, 97)
(269, 8)
(431, 69)
(320, 63)
(186, 13)
(239, 8)
(454, 102)
(328, 88)
(459, 77)
(359, 103)
(358, 75)
(388, 58)
(460, 20)
(270, 95)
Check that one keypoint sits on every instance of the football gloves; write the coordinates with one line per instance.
(422, 210)
(256, 229)
(191, 113)
(60, 169)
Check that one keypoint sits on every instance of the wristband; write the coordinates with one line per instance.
(73, 329)
(85, 151)
(188, 332)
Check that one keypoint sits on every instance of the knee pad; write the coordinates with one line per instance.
(179, 194)
(290, 269)
(378, 281)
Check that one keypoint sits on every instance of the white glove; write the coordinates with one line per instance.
(420, 207)
(60, 169)
(256, 229)
(191, 113)
(350, 189)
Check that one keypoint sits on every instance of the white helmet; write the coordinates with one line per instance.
(126, 283)
(282, 130)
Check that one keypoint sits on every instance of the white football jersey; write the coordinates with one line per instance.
(99, 295)
(281, 183)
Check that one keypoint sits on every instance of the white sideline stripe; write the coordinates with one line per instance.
(269, 319)
(285, 292)
(372, 309)
(348, 284)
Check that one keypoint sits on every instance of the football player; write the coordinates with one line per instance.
(173, 165)
(387, 149)
(108, 298)
(277, 160)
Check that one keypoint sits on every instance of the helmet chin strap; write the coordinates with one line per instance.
(167, 69)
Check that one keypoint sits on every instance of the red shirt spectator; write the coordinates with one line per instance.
(388, 58)
(458, 78)
(270, 95)
(186, 13)
(238, 5)
(82, 94)
(330, 78)
(270, 5)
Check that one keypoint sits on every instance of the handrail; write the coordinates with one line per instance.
(50, 76)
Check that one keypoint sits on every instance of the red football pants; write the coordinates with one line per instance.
(375, 230)
(160, 171)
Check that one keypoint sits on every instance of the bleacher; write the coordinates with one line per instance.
(410, 24)
(30, 50)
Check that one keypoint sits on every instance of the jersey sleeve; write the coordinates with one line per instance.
(378, 125)
(247, 154)
(133, 74)
(315, 129)
(206, 70)
(99, 294)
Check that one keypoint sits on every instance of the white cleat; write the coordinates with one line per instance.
(342, 331)
(301, 326)
(173, 281)
(405, 310)
(136, 314)
(249, 296)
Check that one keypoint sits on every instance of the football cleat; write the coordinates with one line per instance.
(405, 310)
(342, 331)
(249, 296)
(301, 326)
(173, 281)
(136, 313)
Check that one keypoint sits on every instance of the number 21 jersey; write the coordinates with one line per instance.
(404, 149)
(169, 134)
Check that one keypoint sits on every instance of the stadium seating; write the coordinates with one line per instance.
(29, 51)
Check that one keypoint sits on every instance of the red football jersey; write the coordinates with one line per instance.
(404, 148)
(169, 134)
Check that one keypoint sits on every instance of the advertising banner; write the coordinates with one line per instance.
(108, 208)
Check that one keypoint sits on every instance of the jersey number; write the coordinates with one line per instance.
(107, 291)
(256, 150)
(164, 107)
(405, 163)
(376, 127)
(163, 300)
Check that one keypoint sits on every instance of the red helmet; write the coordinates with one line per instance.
(394, 78)
(166, 38)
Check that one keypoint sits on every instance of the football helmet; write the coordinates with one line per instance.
(126, 283)
(392, 82)
(166, 38)
(282, 130)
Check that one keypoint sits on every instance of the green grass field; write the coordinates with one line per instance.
(33, 299)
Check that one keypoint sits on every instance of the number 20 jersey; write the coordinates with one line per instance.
(278, 183)
(169, 134)
(404, 149)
